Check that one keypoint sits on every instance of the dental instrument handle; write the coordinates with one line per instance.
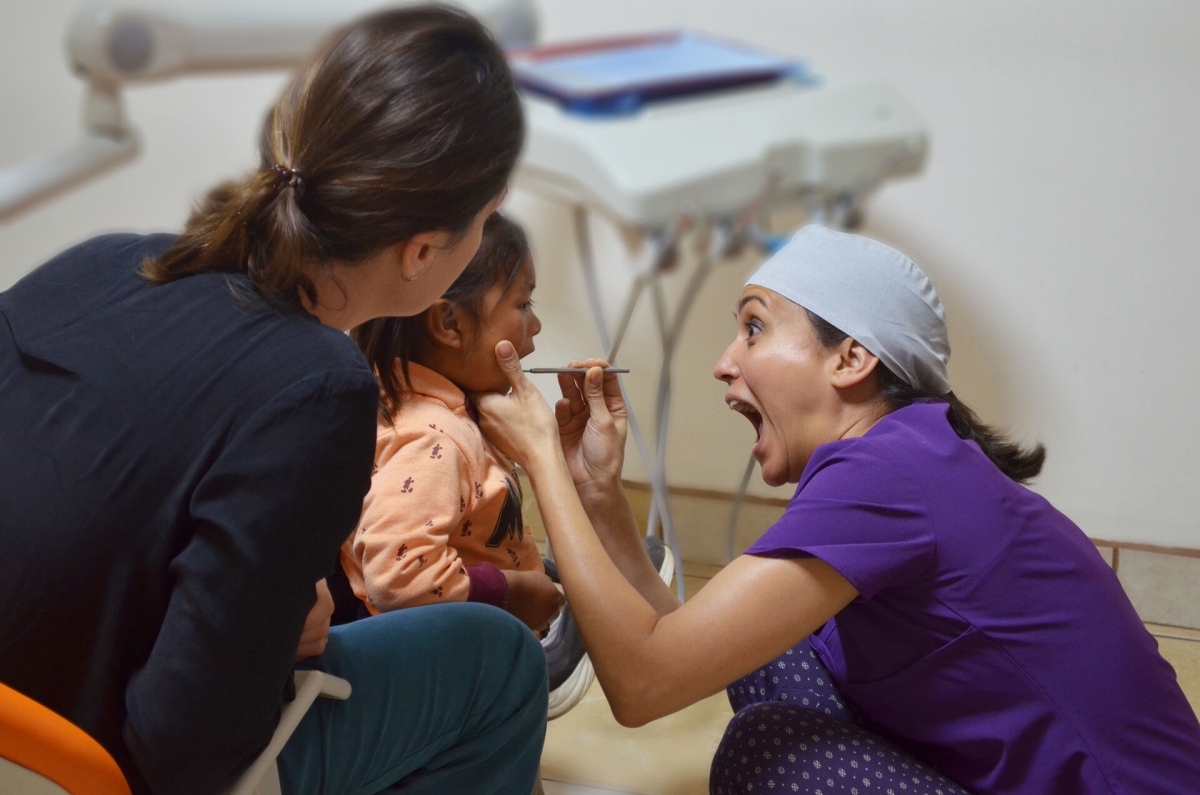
(544, 370)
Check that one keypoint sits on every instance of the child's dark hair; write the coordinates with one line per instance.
(387, 341)
(1009, 457)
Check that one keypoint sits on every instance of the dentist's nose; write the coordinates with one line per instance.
(726, 368)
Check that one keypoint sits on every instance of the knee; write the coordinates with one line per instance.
(527, 658)
(744, 729)
(767, 734)
(513, 664)
(502, 642)
(770, 744)
(797, 677)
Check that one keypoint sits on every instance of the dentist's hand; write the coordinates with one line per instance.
(520, 424)
(592, 423)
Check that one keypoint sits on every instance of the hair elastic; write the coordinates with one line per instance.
(288, 177)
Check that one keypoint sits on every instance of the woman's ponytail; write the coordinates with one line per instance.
(1011, 458)
(253, 226)
(407, 121)
(1015, 461)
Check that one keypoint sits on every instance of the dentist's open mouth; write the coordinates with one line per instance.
(747, 411)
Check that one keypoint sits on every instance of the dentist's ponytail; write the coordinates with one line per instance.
(1019, 463)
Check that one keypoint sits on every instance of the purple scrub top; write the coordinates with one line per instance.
(989, 637)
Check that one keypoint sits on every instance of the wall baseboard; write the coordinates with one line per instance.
(775, 502)
(1184, 552)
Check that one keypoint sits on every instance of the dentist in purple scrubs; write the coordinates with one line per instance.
(917, 623)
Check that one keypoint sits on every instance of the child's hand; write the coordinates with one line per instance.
(316, 626)
(533, 598)
(592, 421)
(520, 423)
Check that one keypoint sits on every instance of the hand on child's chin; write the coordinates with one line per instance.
(517, 426)
(520, 423)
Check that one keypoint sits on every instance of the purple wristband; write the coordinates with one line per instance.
(488, 585)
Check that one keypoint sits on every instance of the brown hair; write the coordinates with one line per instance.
(1009, 457)
(406, 121)
(387, 341)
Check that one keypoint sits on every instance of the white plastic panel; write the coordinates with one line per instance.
(715, 152)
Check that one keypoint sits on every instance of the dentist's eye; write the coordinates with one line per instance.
(753, 328)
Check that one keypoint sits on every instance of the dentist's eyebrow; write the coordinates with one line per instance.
(748, 298)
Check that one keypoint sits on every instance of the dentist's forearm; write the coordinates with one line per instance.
(651, 665)
(615, 620)
(611, 516)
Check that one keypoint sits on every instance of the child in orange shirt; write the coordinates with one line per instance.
(442, 521)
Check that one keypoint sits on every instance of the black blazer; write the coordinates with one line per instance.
(178, 466)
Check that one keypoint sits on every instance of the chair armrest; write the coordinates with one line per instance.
(309, 685)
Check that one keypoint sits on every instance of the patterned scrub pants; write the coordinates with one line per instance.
(793, 732)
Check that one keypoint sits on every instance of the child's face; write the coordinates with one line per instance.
(506, 315)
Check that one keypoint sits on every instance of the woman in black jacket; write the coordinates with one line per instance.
(188, 435)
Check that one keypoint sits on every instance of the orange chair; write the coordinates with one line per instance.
(43, 753)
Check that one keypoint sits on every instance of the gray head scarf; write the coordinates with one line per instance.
(870, 291)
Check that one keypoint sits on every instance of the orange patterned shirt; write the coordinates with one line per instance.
(441, 499)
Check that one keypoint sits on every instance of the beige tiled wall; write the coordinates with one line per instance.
(1164, 587)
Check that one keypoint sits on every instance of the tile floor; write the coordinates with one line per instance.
(588, 753)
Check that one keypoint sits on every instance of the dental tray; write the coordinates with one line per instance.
(618, 76)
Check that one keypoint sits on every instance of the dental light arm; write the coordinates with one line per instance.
(133, 43)
(111, 46)
(107, 141)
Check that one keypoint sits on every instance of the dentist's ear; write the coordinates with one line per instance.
(852, 365)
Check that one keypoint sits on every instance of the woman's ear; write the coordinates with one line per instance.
(853, 364)
(443, 323)
(419, 252)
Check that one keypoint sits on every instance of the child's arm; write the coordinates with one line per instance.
(417, 499)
